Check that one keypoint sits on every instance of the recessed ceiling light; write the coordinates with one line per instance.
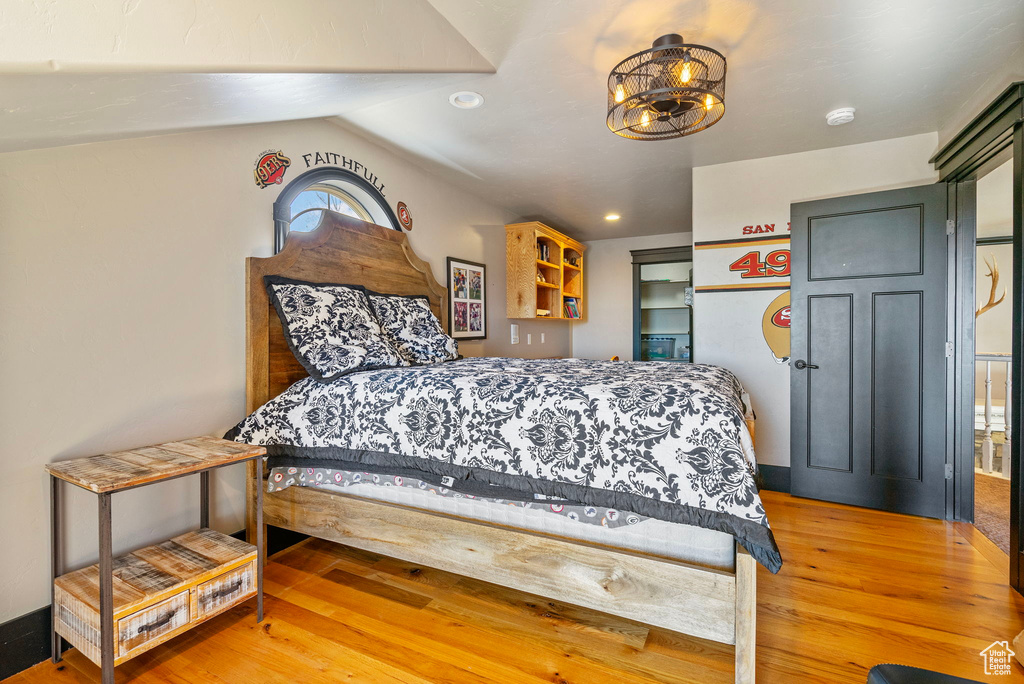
(838, 117)
(612, 217)
(466, 99)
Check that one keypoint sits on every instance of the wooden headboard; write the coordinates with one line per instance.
(340, 250)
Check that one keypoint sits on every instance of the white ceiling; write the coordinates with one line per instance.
(539, 145)
(231, 36)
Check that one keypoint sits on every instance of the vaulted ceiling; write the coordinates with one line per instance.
(77, 72)
(74, 72)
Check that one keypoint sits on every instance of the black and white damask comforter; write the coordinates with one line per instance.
(662, 440)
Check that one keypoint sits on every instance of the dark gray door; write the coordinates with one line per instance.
(868, 369)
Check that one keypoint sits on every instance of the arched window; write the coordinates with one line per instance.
(303, 201)
(310, 203)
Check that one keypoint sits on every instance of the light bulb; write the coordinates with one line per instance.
(645, 118)
(685, 74)
(709, 102)
(620, 93)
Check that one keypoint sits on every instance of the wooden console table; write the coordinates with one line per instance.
(160, 591)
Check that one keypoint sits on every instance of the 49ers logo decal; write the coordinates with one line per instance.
(404, 216)
(775, 326)
(781, 318)
(775, 265)
(270, 168)
(748, 264)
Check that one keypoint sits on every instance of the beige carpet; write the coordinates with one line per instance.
(992, 509)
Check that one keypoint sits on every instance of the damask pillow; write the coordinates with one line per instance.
(330, 328)
(413, 329)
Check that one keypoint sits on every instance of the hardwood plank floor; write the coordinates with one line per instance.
(858, 588)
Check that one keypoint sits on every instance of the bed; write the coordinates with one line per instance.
(583, 531)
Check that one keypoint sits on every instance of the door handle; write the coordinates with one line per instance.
(800, 364)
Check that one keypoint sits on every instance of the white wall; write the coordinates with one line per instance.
(608, 328)
(122, 319)
(727, 197)
(994, 328)
(995, 201)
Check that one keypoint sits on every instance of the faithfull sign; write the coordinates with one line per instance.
(334, 159)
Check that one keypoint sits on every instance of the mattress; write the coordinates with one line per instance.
(687, 543)
(665, 443)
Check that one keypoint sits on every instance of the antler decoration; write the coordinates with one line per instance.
(993, 273)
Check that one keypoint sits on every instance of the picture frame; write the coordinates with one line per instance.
(467, 299)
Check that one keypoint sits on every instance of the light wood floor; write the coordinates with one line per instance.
(858, 587)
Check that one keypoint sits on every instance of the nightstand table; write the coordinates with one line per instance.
(121, 607)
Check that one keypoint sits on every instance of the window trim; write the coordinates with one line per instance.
(324, 174)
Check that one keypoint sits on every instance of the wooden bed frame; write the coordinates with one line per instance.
(707, 603)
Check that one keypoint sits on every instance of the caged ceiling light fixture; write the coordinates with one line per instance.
(669, 91)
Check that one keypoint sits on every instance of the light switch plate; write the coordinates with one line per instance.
(529, 338)
(515, 333)
(542, 338)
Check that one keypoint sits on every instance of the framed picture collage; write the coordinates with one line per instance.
(467, 314)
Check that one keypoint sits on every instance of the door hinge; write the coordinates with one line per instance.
(950, 227)
(949, 471)
(949, 349)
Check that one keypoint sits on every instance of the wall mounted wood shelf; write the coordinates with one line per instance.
(544, 272)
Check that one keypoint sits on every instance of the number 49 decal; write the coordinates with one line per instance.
(775, 265)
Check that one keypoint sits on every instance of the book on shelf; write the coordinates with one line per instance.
(542, 251)
(543, 312)
(571, 308)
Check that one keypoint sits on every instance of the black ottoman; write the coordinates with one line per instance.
(902, 674)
